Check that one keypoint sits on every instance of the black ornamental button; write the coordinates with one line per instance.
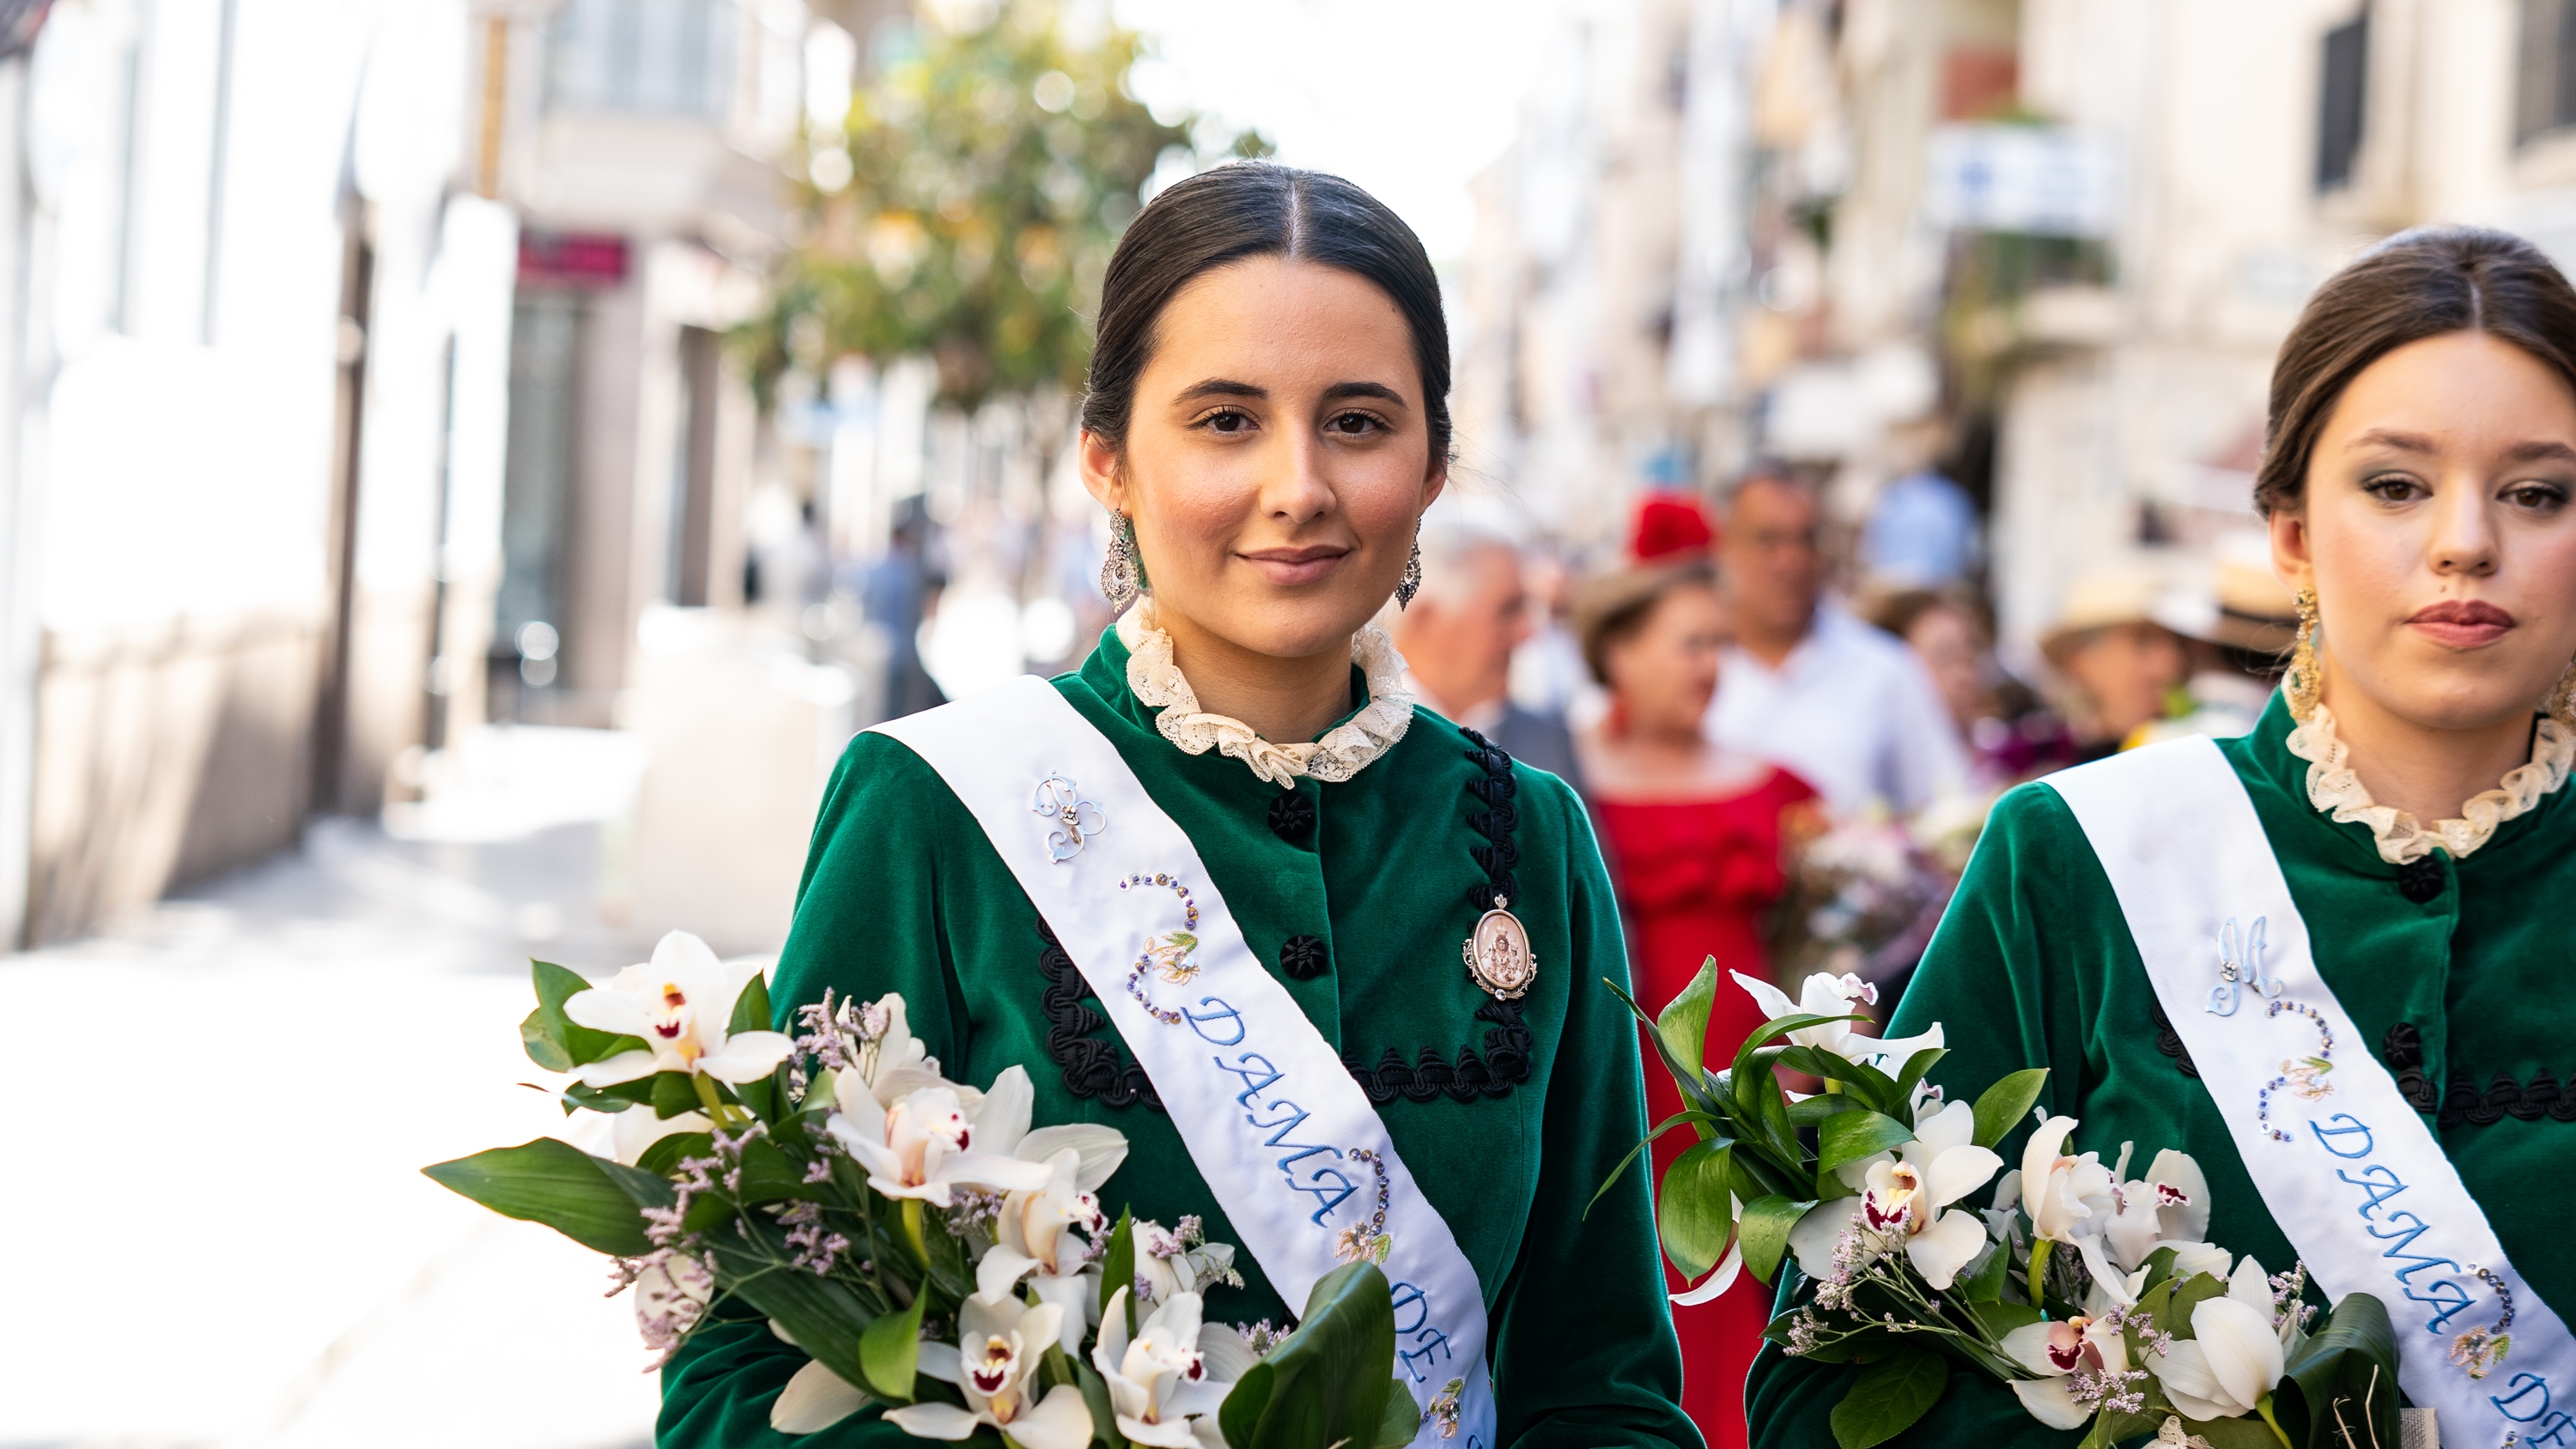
(1304, 958)
(2420, 880)
(1292, 817)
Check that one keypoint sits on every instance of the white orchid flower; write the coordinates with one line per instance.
(1033, 1239)
(1170, 1264)
(926, 1143)
(1158, 1379)
(680, 1003)
(2060, 1191)
(2234, 1357)
(1906, 1198)
(2168, 1208)
(2056, 1351)
(1827, 995)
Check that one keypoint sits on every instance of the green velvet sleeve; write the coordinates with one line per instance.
(1583, 1345)
(2001, 982)
(867, 910)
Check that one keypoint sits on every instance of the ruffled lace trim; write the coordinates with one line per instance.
(2335, 789)
(1344, 751)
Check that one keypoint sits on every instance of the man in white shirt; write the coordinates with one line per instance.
(1809, 687)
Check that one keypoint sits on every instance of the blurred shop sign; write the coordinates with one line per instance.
(2040, 180)
(571, 259)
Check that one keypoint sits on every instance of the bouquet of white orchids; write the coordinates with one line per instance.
(2095, 1295)
(929, 1249)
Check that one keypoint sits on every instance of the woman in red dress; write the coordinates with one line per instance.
(1693, 838)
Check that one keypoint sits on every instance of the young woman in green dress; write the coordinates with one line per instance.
(2173, 933)
(1266, 422)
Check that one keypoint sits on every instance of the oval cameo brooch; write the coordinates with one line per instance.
(1498, 954)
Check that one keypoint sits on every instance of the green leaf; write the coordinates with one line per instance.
(1852, 1136)
(608, 1099)
(1118, 1267)
(825, 1317)
(751, 1008)
(1104, 1415)
(1915, 1066)
(557, 1184)
(768, 1174)
(663, 1157)
(2005, 1103)
(1888, 1397)
(1683, 1023)
(2189, 1294)
(1985, 1284)
(1875, 1089)
(1328, 1382)
(2237, 1433)
(890, 1352)
(673, 1094)
(2111, 1428)
(2342, 1383)
(1765, 1232)
(555, 1041)
(1817, 1108)
(1694, 1083)
(1667, 1125)
(1401, 1421)
(2159, 1266)
(1999, 1319)
(1694, 1218)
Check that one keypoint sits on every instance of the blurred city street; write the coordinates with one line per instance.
(243, 1249)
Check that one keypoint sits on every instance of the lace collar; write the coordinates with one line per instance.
(2335, 789)
(1345, 749)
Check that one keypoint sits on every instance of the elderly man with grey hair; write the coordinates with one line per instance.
(1458, 637)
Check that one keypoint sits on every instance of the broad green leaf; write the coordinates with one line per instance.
(2239, 1433)
(1694, 1218)
(2189, 1294)
(2111, 1429)
(607, 1099)
(1888, 1397)
(1817, 1108)
(1999, 1319)
(554, 1183)
(558, 1037)
(1694, 1084)
(1328, 1382)
(2342, 1383)
(751, 1009)
(2005, 1103)
(2159, 1266)
(1985, 1282)
(1401, 1421)
(768, 1174)
(1852, 1136)
(1915, 1066)
(1118, 1267)
(1667, 1125)
(1683, 1023)
(1765, 1231)
(824, 1316)
(663, 1157)
(1875, 1089)
(890, 1352)
(673, 1094)
(1104, 1415)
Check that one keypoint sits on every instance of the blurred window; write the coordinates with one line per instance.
(658, 57)
(2341, 99)
(2547, 98)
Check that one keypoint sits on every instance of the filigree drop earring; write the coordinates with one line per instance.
(2304, 683)
(1122, 573)
(1411, 583)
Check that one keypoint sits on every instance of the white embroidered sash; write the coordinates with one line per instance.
(2350, 1171)
(1287, 1141)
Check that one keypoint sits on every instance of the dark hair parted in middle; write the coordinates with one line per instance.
(2417, 284)
(1249, 209)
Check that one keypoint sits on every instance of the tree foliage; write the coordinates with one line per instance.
(991, 169)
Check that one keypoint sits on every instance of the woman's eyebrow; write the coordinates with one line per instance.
(2540, 450)
(1378, 390)
(1220, 387)
(2391, 438)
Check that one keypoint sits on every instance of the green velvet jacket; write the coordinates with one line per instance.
(902, 892)
(2034, 966)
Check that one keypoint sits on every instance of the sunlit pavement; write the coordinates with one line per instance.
(219, 1234)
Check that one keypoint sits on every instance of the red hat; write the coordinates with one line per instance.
(1669, 524)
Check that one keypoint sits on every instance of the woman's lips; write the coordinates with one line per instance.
(2462, 623)
(1289, 567)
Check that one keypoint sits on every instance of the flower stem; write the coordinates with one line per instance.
(721, 1112)
(2263, 1406)
(912, 1230)
(2038, 1273)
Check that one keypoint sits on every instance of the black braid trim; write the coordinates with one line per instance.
(2403, 1050)
(1505, 1065)
(2505, 1097)
(1495, 822)
(2169, 1041)
(1093, 1067)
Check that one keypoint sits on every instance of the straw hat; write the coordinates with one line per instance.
(2242, 605)
(2130, 591)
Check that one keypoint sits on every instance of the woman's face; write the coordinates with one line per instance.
(1953, 654)
(2437, 534)
(2125, 671)
(1278, 457)
(1664, 674)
